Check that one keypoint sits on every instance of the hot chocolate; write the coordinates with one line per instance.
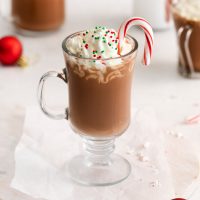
(187, 22)
(99, 73)
(99, 89)
(38, 15)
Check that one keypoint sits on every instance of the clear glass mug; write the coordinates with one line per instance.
(99, 111)
(34, 16)
(188, 32)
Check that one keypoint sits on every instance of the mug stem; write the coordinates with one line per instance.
(97, 152)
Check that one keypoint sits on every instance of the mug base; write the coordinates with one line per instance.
(185, 72)
(93, 174)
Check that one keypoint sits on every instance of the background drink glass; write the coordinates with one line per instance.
(99, 111)
(34, 16)
(188, 32)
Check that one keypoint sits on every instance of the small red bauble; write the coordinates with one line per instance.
(10, 50)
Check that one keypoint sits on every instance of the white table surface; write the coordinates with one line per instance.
(159, 86)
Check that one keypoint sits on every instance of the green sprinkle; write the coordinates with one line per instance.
(94, 61)
(96, 27)
(92, 35)
(116, 48)
(94, 31)
(84, 41)
(109, 44)
(86, 32)
(104, 41)
(96, 38)
(102, 51)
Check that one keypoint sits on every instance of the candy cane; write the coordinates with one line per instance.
(193, 120)
(142, 23)
(167, 10)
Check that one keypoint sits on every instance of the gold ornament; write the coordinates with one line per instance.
(23, 61)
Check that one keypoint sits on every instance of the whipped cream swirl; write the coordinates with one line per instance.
(98, 43)
(189, 9)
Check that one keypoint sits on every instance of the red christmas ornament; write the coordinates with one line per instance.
(10, 50)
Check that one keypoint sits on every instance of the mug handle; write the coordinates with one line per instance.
(50, 74)
(188, 31)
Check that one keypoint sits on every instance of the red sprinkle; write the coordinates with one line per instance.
(83, 34)
(111, 36)
(99, 57)
(86, 46)
(94, 55)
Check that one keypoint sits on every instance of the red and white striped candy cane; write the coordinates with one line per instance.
(193, 120)
(142, 23)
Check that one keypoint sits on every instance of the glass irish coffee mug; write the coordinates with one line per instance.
(188, 36)
(99, 111)
(33, 17)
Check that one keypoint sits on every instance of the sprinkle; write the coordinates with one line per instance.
(92, 35)
(102, 51)
(86, 46)
(84, 41)
(99, 57)
(111, 36)
(94, 55)
(109, 44)
(83, 34)
(96, 38)
(96, 27)
(94, 31)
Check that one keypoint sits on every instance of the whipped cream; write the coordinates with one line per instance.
(189, 9)
(97, 44)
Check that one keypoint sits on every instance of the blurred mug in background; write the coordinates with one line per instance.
(32, 16)
(155, 11)
(186, 14)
